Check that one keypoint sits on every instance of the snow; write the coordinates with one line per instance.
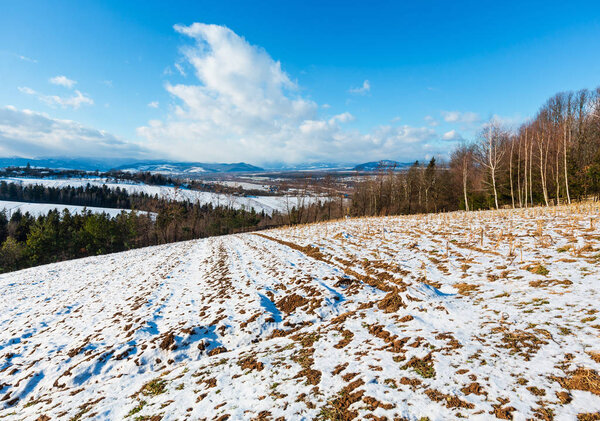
(243, 184)
(37, 209)
(268, 204)
(442, 316)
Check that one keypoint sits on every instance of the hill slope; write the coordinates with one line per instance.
(476, 315)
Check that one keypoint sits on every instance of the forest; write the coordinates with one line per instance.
(29, 241)
(551, 159)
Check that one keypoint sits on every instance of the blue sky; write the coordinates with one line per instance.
(281, 81)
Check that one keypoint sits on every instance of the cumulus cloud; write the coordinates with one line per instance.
(153, 104)
(75, 101)
(362, 90)
(30, 134)
(460, 117)
(63, 81)
(244, 106)
(452, 135)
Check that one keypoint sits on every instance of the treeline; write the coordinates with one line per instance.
(552, 159)
(153, 179)
(88, 195)
(27, 241)
(37, 172)
(422, 188)
(82, 196)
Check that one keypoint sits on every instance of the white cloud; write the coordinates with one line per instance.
(509, 122)
(31, 134)
(325, 106)
(366, 87)
(431, 121)
(24, 58)
(74, 102)
(244, 107)
(27, 90)
(180, 69)
(153, 104)
(62, 81)
(452, 135)
(460, 117)
(108, 83)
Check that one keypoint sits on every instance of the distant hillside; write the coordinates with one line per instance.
(83, 164)
(313, 166)
(383, 164)
(164, 167)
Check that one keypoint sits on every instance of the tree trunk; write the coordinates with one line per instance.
(557, 174)
(465, 174)
(542, 169)
(565, 162)
(519, 174)
(494, 185)
(530, 173)
(512, 193)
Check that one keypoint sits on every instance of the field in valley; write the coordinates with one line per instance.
(482, 315)
(267, 204)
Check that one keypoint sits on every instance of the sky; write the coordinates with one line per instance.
(269, 82)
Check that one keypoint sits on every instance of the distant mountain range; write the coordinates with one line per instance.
(189, 168)
(314, 166)
(83, 164)
(381, 165)
(163, 167)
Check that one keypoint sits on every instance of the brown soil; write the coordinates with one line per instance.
(465, 289)
(582, 379)
(337, 409)
(168, 341)
(391, 303)
(474, 388)
(348, 335)
(289, 303)
(251, 364)
(451, 401)
(588, 416)
(217, 350)
(503, 413)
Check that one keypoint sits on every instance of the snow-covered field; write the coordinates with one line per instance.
(243, 184)
(480, 315)
(259, 203)
(36, 209)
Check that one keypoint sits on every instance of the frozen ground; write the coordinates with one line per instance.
(36, 209)
(259, 203)
(479, 315)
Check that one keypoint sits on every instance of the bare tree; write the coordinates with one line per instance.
(461, 163)
(490, 153)
(512, 193)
